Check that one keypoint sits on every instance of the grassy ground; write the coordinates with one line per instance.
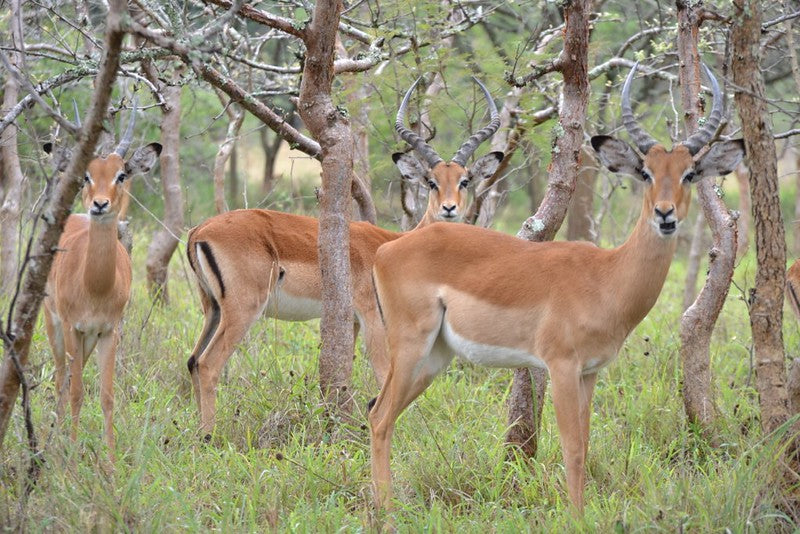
(279, 463)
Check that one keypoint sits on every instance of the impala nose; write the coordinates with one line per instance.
(99, 207)
(449, 210)
(665, 217)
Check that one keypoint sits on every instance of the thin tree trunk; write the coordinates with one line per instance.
(12, 171)
(766, 298)
(271, 148)
(699, 243)
(524, 422)
(796, 225)
(233, 176)
(580, 214)
(332, 130)
(698, 320)
(166, 239)
(17, 338)
(236, 117)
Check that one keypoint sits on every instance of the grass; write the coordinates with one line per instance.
(278, 462)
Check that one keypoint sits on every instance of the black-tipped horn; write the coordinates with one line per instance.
(482, 135)
(125, 142)
(417, 143)
(702, 136)
(637, 133)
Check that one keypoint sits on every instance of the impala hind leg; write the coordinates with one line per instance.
(73, 342)
(106, 357)
(415, 364)
(211, 316)
(572, 407)
(231, 330)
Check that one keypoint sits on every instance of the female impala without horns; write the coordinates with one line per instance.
(251, 261)
(500, 301)
(90, 280)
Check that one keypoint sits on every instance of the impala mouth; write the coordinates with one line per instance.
(668, 228)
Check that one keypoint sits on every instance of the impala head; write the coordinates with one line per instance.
(106, 175)
(447, 181)
(668, 174)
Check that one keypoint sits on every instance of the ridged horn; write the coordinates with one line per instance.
(415, 141)
(481, 135)
(125, 142)
(77, 114)
(637, 133)
(701, 137)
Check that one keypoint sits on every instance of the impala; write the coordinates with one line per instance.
(90, 280)
(248, 262)
(500, 301)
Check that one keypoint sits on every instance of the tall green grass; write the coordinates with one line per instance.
(279, 462)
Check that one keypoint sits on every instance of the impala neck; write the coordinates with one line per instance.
(641, 267)
(100, 263)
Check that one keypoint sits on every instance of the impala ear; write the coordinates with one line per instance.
(143, 159)
(721, 159)
(617, 156)
(410, 167)
(485, 166)
(60, 156)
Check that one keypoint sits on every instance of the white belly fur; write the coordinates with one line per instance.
(287, 307)
(488, 355)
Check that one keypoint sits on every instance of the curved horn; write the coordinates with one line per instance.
(77, 114)
(417, 143)
(125, 142)
(638, 135)
(702, 136)
(482, 135)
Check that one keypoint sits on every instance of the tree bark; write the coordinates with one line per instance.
(236, 118)
(332, 131)
(563, 173)
(766, 298)
(699, 243)
(17, 338)
(165, 240)
(698, 320)
(580, 215)
(12, 171)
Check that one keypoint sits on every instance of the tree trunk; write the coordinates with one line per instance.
(270, 147)
(12, 171)
(766, 298)
(580, 216)
(233, 177)
(20, 331)
(332, 130)
(523, 423)
(236, 116)
(166, 239)
(698, 320)
(699, 243)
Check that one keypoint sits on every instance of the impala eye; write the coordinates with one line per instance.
(86, 178)
(432, 185)
(646, 176)
(689, 176)
(121, 177)
(464, 184)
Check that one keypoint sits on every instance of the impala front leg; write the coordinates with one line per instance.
(567, 393)
(106, 356)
